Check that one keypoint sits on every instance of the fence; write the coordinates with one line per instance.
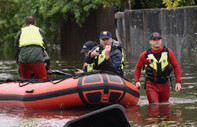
(177, 27)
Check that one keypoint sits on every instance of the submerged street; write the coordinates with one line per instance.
(181, 111)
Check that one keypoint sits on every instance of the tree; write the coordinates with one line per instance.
(12, 16)
(50, 14)
(174, 3)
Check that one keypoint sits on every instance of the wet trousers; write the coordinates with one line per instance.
(157, 93)
(38, 69)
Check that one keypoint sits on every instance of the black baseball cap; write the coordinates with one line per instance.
(105, 34)
(88, 46)
(155, 35)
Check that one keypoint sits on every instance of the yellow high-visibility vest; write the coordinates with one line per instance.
(88, 67)
(30, 36)
(163, 60)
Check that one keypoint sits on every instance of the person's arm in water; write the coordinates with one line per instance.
(137, 72)
(177, 71)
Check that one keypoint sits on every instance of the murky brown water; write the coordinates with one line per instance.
(181, 111)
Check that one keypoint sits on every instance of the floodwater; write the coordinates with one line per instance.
(181, 110)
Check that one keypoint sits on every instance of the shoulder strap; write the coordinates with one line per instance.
(148, 52)
(116, 45)
(166, 50)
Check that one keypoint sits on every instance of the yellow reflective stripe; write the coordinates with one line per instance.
(89, 66)
(154, 64)
(101, 57)
(30, 36)
(122, 61)
(164, 60)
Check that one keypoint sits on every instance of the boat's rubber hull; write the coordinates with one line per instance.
(95, 89)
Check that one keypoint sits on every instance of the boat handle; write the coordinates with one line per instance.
(29, 91)
(57, 81)
(19, 84)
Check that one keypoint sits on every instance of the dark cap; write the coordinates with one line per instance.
(155, 35)
(88, 46)
(105, 34)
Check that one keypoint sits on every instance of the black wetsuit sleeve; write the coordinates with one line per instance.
(43, 36)
(16, 43)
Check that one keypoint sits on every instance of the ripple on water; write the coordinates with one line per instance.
(7, 121)
(189, 77)
(175, 100)
(6, 76)
(5, 67)
(143, 101)
(39, 122)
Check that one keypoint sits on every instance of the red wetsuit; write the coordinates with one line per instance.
(38, 69)
(158, 92)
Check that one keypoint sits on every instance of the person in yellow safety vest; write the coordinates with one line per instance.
(86, 49)
(30, 50)
(108, 56)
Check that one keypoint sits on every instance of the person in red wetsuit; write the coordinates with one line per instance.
(157, 62)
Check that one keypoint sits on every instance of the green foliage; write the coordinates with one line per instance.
(152, 3)
(50, 14)
(119, 5)
(174, 3)
(64, 10)
(7, 25)
(147, 4)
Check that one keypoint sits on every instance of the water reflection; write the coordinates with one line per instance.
(155, 115)
(13, 117)
(161, 114)
(134, 115)
(181, 110)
